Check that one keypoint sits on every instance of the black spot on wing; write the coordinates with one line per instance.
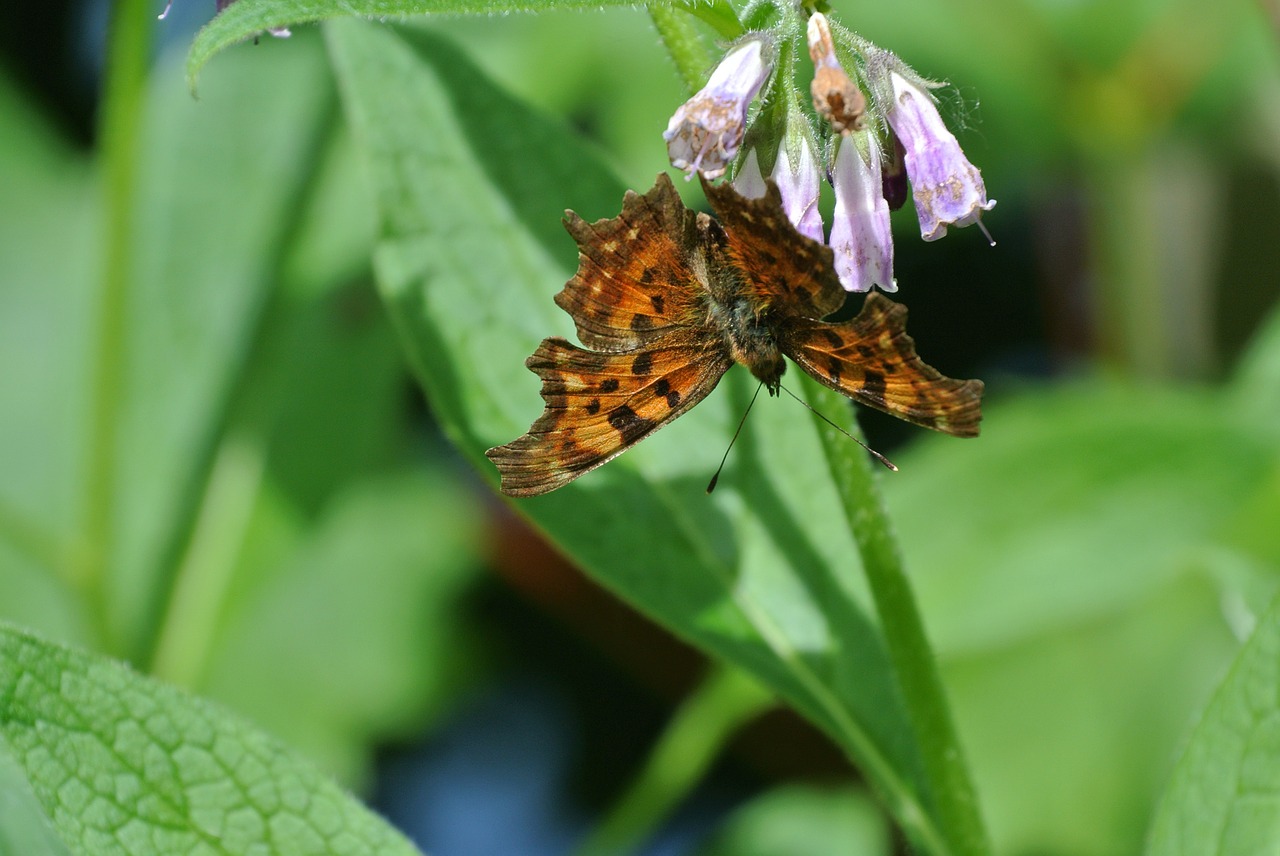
(663, 389)
(642, 365)
(873, 383)
(630, 425)
(609, 385)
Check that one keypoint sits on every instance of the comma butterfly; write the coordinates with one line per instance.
(666, 300)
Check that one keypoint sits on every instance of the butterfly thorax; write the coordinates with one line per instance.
(750, 339)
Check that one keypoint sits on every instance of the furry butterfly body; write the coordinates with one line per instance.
(666, 300)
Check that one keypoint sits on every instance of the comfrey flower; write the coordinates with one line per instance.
(860, 234)
(947, 189)
(704, 134)
(798, 184)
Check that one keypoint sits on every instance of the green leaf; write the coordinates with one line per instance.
(249, 18)
(47, 249)
(1224, 797)
(24, 830)
(764, 573)
(124, 764)
(1126, 477)
(357, 635)
(803, 820)
(1256, 385)
(1083, 614)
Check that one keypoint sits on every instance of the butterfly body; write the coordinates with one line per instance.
(666, 300)
(749, 338)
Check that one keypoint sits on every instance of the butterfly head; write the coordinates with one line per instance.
(752, 341)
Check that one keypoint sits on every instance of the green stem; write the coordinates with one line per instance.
(128, 55)
(717, 14)
(203, 580)
(690, 54)
(951, 794)
(693, 739)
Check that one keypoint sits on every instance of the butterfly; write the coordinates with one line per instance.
(666, 300)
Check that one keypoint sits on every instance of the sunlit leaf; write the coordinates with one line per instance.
(123, 764)
(1224, 797)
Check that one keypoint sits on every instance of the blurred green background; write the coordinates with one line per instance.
(334, 571)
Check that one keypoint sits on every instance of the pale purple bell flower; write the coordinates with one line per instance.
(861, 237)
(705, 132)
(946, 187)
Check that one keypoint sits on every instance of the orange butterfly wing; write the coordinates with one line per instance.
(640, 274)
(872, 360)
(781, 268)
(639, 302)
(599, 405)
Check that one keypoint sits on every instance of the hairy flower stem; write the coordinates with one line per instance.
(950, 790)
(128, 54)
(708, 718)
(692, 58)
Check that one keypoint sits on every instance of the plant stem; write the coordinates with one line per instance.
(128, 57)
(950, 792)
(706, 720)
(692, 59)
(203, 579)
(717, 14)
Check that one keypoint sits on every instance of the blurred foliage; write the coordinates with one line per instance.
(286, 541)
(281, 540)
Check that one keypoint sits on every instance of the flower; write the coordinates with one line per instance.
(798, 185)
(947, 189)
(750, 180)
(704, 134)
(835, 96)
(860, 235)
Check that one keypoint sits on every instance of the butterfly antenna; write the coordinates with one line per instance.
(879, 457)
(711, 485)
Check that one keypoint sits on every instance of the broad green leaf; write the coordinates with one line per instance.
(1224, 798)
(803, 820)
(764, 573)
(1130, 484)
(24, 830)
(124, 764)
(1082, 615)
(358, 635)
(1081, 721)
(249, 18)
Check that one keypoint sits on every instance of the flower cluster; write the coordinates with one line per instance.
(868, 141)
